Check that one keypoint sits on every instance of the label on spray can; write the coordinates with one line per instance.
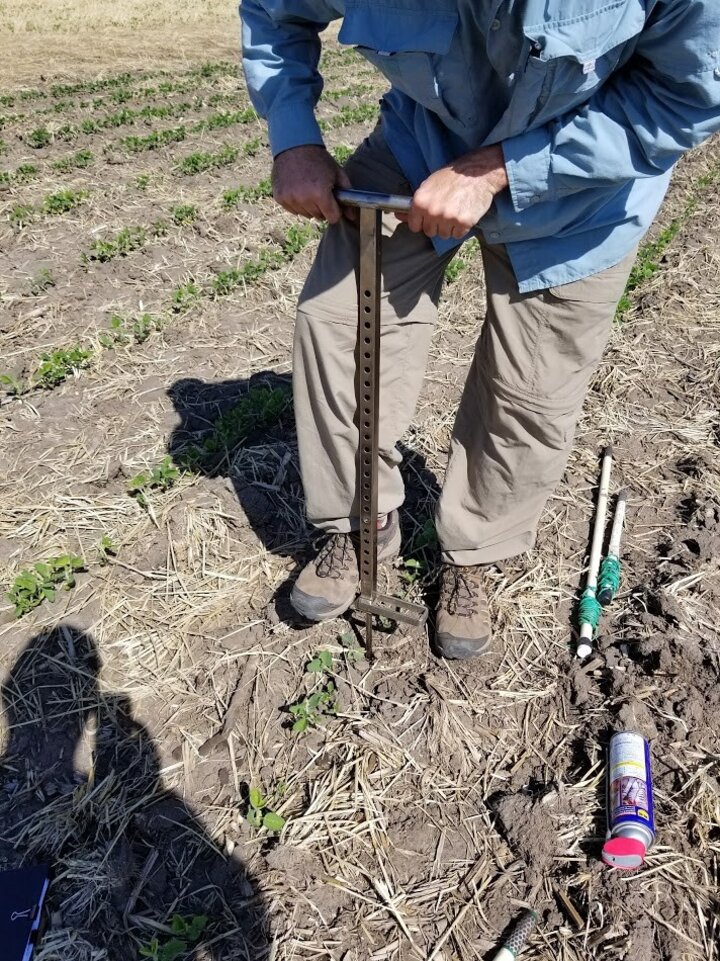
(631, 819)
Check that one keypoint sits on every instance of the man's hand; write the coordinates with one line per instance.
(303, 180)
(452, 200)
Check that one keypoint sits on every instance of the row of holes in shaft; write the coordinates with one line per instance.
(366, 422)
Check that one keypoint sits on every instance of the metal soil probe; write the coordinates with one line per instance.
(367, 385)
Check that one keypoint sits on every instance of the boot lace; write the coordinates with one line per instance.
(459, 592)
(335, 556)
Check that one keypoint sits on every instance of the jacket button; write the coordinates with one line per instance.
(495, 25)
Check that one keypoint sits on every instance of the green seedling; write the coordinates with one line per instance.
(196, 163)
(231, 198)
(159, 228)
(12, 385)
(123, 243)
(260, 409)
(41, 282)
(310, 711)
(297, 238)
(412, 570)
(155, 140)
(63, 201)
(39, 138)
(342, 154)
(21, 215)
(115, 334)
(161, 478)
(25, 172)
(33, 586)
(461, 260)
(349, 644)
(184, 297)
(142, 181)
(251, 147)
(67, 132)
(59, 365)
(184, 934)
(227, 119)
(184, 214)
(321, 662)
(106, 549)
(259, 815)
(3, 147)
(145, 325)
(76, 161)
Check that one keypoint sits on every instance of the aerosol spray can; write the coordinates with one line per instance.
(631, 819)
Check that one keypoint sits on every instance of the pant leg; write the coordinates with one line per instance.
(325, 341)
(522, 398)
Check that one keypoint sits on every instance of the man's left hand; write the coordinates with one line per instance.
(452, 200)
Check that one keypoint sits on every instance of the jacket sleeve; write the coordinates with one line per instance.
(281, 51)
(665, 101)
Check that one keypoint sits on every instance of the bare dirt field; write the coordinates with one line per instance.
(148, 458)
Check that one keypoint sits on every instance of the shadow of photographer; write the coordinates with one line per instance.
(81, 789)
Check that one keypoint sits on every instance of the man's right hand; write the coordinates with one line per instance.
(304, 179)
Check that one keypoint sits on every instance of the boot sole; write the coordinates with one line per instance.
(461, 648)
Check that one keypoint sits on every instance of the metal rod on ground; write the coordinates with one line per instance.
(367, 386)
(589, 612)
(610, 570)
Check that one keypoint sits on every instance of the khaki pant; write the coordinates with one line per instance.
(523, 394)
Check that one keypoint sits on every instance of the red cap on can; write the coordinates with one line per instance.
(624, 853)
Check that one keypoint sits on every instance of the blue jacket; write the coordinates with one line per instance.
(593, 102)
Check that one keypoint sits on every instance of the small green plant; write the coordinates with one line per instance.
(25, 172)
(155, 140)
(342, 153)
(231, 198)
(184, 934)
(184, 214)
(59, 365)
(76, 161)
(353, 653)
(144, 325)
(123, 243)
(159, 228)
(106, 549)
(3, 147)
(227, 119)
(196, 163)
(251, 147)
(160, 478)
(12, 385)
(39, 138)
(33, 586)
(321, 662)
(310, 711)
(298, 237)
(259, 815)
(142, 181)
(21, 215)
(461, 260)
(42, 281)
(184, 296)
(321, 702)
(115, 334)
(63, 201)
(412, 569)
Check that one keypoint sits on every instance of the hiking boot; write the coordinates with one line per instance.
(463, 621)
(327, 585)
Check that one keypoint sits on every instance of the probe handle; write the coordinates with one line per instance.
(373, 201)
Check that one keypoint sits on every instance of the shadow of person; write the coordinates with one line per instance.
(244, 430)
(81, 790)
